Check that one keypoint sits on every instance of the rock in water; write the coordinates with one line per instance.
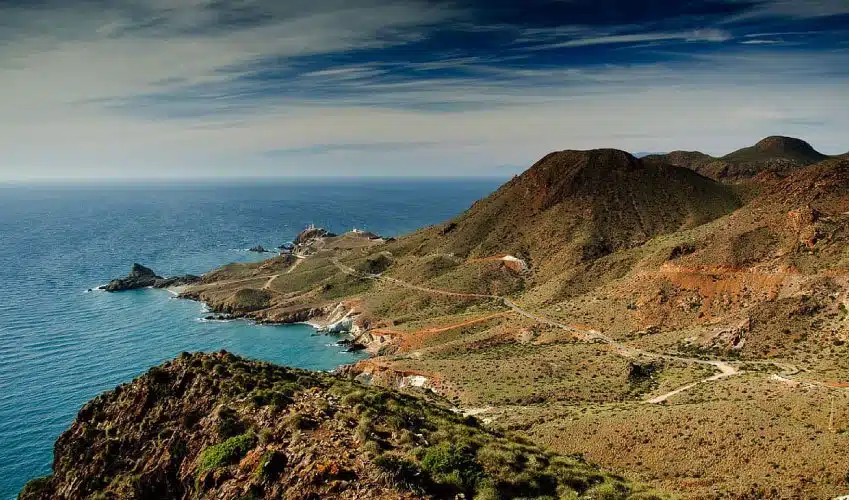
(258, 249)
(139, 277)
(143, 277)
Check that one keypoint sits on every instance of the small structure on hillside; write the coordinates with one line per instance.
(365, 234)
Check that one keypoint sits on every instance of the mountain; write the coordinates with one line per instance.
(773, 155)
(776, 154)
(576, 206)
(220, 426)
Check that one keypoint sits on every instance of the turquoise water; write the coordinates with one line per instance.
(60, 345)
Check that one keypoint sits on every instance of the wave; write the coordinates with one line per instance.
(207, 320)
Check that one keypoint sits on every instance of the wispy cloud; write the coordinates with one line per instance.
(794, 9)
(149, 87)
(759, 41)
(705, 35)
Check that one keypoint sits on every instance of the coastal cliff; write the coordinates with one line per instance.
(220, 426)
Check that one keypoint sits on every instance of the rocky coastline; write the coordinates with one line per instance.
(338, 319)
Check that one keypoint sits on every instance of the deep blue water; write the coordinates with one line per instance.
(61, 345)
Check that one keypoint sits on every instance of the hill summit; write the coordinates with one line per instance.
(574, 206)
(778, 148)
(777, 155)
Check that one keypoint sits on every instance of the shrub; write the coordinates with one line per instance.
(266, 397)
(226, 453)
(299, 421)
(452, 464)
(354, 398)
(609, 491)
(487, 490)
(399, 469)
(36, 488)
(220, 370)
(271, 464)
(228, 424)
(265, 436)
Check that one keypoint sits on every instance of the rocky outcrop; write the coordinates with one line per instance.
(188, 279)
(258, 249)
(224, 427)
(310, 234)
(144, 277)
(377, 374)
(301, 315)
(139, 277)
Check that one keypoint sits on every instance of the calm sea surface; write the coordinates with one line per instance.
(61, 345)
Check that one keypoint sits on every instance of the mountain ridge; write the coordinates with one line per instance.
(774, 154)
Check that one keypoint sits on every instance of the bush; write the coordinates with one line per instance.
(36, 488)
(487, 491)
(228, 424)
(226, 453)
(266, 397)
(271, 464)
(299, 421)
(452, 465)
(609, 491)
(399, 469)
(354, 398)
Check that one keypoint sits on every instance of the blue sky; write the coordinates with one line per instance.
(197, 88)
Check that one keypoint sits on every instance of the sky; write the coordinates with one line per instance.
(96, 89)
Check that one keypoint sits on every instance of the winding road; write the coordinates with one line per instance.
(726, 369)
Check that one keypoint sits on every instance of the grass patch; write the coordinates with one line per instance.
(226, 453)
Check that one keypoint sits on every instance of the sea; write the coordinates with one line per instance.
(62, 343)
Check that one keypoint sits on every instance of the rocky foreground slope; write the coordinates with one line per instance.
(220, 426)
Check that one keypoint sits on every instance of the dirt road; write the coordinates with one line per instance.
(726, 369)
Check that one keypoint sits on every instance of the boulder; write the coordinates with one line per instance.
(258, 249)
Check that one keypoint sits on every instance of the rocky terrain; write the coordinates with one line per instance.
(533, 308)
(144, 277)
(219, 426)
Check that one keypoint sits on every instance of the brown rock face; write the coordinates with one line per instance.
(802, 223)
